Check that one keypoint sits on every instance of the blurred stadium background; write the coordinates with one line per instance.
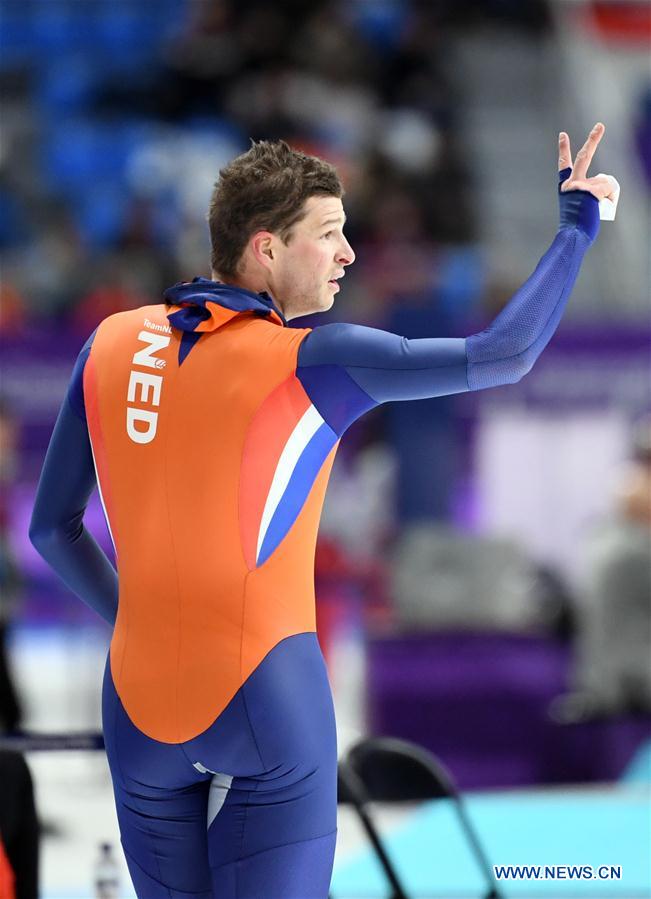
(464, 595)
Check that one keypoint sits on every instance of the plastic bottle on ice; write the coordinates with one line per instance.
(107, 874)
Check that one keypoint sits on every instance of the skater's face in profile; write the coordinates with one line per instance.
(302, 272)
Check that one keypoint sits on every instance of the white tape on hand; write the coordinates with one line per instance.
(608, 206)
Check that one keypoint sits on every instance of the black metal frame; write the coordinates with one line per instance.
(429, 779)
(351, 791)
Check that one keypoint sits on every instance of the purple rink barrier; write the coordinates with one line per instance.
(35, 367)
(480, 702)
(585, 366)
(605, 361)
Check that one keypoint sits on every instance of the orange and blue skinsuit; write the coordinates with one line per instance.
(211, 428)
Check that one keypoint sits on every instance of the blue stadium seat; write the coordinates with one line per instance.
(79, 152)
(126, 34)
(13, 221)
(16, 38)
(59, 29)
(100, 213)
(68, 84)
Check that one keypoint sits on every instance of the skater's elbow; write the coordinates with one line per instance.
(500, 372)
(41, 537)
(520, 366)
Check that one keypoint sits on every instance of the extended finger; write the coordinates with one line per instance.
(585, 154)
(564, 152)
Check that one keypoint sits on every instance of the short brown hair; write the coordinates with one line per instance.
(264, 189)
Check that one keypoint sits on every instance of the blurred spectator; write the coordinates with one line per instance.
(47, 271)
(10, 712)
(18, 829)
(612, 673)
(446, 580)
(116, 290)
(114, 142)
(12, 309)
(643, 134)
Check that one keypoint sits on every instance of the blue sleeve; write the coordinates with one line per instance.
(347, 369)
(67, 481)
